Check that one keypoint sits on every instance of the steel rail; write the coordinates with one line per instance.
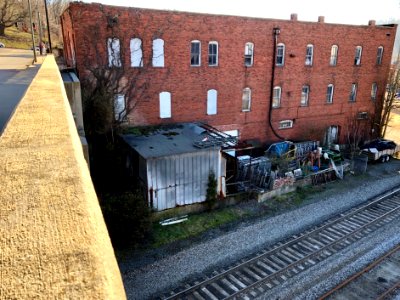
(294, 241)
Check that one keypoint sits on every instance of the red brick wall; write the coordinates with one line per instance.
(188, 85)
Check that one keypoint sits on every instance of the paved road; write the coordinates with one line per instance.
(16, 73)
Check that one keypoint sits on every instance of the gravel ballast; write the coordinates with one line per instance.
(157, 276)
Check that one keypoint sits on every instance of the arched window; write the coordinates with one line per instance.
(136, 53)
(212, 102)
(379, 55)
(334, 55)
(165, 105)
(353, 92)
(158, 53)
(276, 98)
(280, 54)
(309, 55)
(305, 92)
(374, 90)
(357, 57)
(246, 99)
(329, 93)
(285, 124)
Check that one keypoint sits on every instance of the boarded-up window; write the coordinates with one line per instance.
(113, 49)
(305, 93)
(158, 53)
(119, 107)
(211, 102)
(136, 53)
(246, 99)
(165, 105)
(276, 97)
(334, 55)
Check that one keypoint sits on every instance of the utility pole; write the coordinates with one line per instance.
(48, 26)
(33, 36)
(40, 35)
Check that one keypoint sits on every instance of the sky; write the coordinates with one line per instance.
(357, 12)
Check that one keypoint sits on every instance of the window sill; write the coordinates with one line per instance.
(195, 66)
(213, 66)
(245, 110)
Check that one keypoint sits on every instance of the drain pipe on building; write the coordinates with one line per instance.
(276, 32)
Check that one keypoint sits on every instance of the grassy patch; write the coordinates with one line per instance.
(195, 225)
(17, 39)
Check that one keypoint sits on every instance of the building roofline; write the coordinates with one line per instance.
(381, 26)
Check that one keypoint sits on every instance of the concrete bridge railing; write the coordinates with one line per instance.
(53, 240)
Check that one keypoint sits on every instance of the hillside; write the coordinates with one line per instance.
(17, 39)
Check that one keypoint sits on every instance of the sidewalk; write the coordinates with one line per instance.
(17, 59)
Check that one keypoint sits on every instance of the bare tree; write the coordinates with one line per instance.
(106, 77)
(11, 11)
(357, 130)
(390, 100)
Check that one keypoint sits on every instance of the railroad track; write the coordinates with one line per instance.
(271, 267)
(379, 280)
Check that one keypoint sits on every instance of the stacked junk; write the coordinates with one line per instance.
(285, 162)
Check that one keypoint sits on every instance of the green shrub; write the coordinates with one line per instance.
(127, 217)
(211, 196)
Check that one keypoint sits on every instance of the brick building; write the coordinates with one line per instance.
(262, 79)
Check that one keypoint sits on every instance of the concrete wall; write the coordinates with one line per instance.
(87, 27)
(53, 240)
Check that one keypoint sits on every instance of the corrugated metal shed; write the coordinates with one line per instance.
(173, 168)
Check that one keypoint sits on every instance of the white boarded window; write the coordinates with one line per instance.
(334, 55)
(285, 124)
(276, 97)
(195, 50)
(119, 107)
(212, 102)
(136, 53)
(329, 93)
(246, 99)
(357, 56)
(158, 53)
(213, 53)
(280, 54)
(113, 50)
(379, 55)
(309, 55)
(374, 90)
(165, 105)
(248, 54)
(305, 92)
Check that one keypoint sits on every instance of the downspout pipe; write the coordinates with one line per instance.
(276, 32)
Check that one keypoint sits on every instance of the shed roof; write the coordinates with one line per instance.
(176, 139)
